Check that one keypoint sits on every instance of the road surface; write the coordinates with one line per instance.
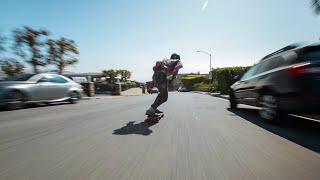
(199, 138)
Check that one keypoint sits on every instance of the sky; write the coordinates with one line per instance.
(134, 34)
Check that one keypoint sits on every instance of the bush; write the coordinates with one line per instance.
(201, 85)
(104, 87)
(190, 81)
(214, 86)
(225, 77)
(128, 85)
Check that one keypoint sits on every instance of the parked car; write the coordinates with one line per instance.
(154, 90)
(182, 89)
(286, 81)
(17, 91)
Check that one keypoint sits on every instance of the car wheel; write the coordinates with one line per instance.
(16, 100)
(233, 102)
(74, 97)
(269, 108)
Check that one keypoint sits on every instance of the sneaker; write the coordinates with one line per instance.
(151, 112)
(158, 111)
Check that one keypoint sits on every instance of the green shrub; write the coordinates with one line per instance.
(190, 81)
(201, 85)
(214, 86)
(103, 87)
(225, 76)
(128, 85)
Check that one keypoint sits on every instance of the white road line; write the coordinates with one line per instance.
(305, 117)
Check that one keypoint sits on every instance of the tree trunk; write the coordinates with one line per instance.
(60, 70)
(35, 69)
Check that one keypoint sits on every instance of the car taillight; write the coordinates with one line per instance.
(82, 87)
(305, 69)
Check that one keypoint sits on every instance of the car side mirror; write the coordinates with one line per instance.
(236, 78)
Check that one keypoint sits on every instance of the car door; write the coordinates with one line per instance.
(61, 87)
(44, 89)
(260, 78)
(243, 87)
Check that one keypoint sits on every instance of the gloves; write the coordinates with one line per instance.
(169, 78)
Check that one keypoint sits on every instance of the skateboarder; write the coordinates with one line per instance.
(165, 72)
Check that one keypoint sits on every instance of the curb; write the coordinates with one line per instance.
(212, 94)
(199, 92)
(220, 96)
(100, 97)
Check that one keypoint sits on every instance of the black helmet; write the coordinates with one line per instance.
(175, 56)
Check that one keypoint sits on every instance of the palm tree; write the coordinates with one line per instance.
(111, 73)
(316, 5)
(2, 41)
(126, 75)
(60, 53)
(12, 67)
(28, 44)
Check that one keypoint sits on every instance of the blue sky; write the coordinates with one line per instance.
(133, 34)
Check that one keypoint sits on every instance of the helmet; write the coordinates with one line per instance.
(175, 56)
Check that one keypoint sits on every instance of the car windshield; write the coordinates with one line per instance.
(21, 77)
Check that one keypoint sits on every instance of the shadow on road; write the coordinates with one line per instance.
(141, 129)
(300, 131)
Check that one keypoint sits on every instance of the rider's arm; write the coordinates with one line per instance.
(176, 69)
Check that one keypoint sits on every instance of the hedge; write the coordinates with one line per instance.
(127, 86)
(190, 81)
(104, 87)
(225, 76)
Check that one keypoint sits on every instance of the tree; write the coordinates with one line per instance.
(12, 67)
(28, 44)
(111, 73)
(120, 72)
(2, 42)
(126, 75)
(316, 5)
(60, 53)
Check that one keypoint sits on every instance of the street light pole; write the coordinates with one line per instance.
(210, 63)
(208, 55)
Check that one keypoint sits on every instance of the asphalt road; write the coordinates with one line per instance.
(199, 138)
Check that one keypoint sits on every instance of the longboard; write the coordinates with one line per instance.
(154, 119)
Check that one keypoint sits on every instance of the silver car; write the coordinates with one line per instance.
(17, 91)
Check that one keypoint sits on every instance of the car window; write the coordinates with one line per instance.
(289, 58)
(57, 79)
(44, 79)
(270, 64)
(52, 79)
(249, 73)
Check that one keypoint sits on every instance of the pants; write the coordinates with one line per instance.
(160, 81)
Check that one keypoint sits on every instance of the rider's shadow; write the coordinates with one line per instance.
(131, 128)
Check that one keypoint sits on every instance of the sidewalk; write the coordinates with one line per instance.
(132, 92)
(100, 96)
(129, 92)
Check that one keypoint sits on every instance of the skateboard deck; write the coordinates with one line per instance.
(154, 119)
